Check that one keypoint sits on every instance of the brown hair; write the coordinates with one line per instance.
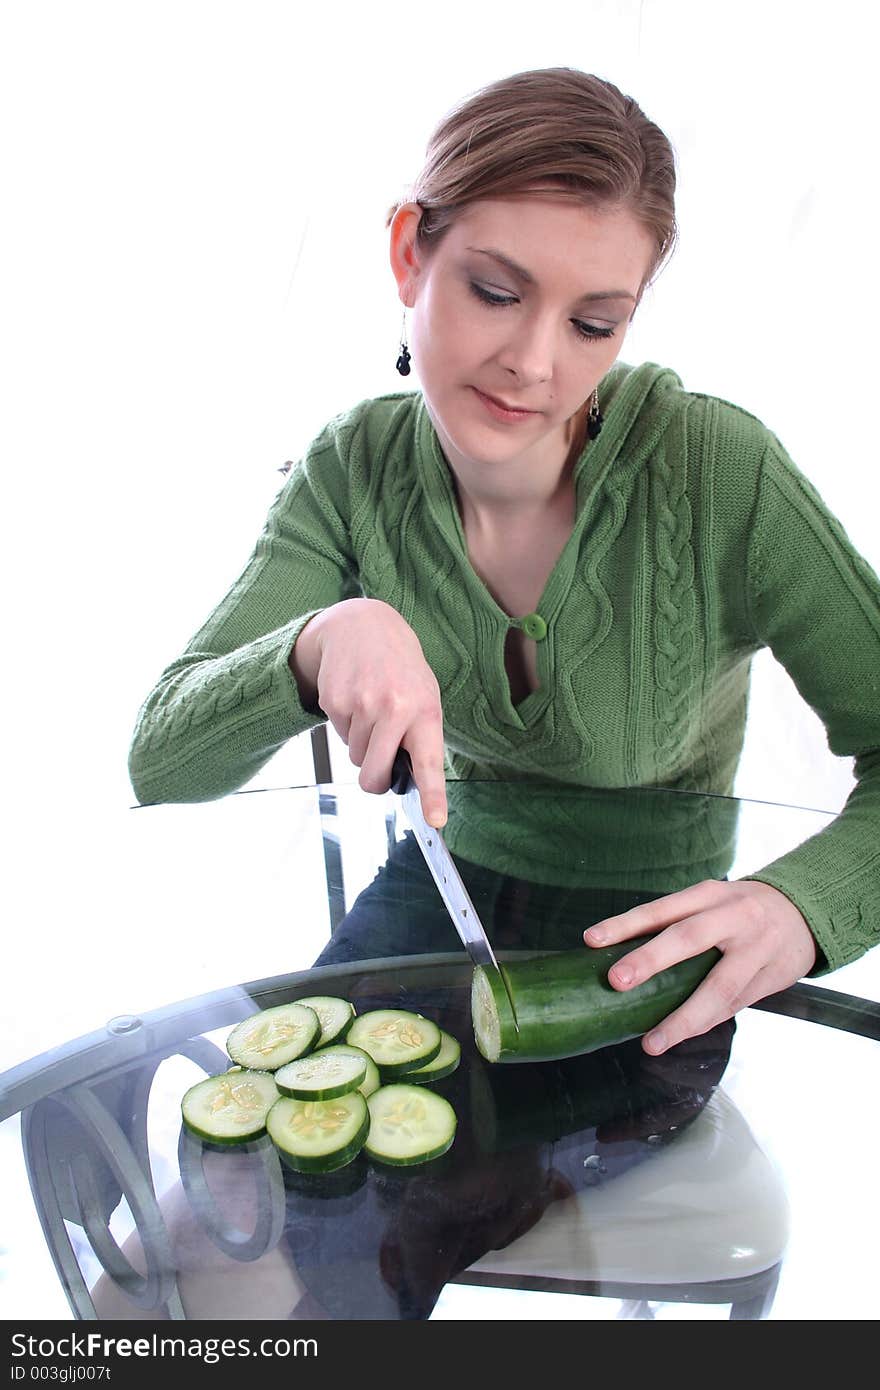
(549, 129)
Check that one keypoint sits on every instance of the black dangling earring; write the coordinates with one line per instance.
(403, 360)
(594, 417)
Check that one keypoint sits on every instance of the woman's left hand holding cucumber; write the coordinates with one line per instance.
(764, 941)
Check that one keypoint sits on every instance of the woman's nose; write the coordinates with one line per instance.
(530, 351)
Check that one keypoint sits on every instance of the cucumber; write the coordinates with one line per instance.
(398, 1041)
(319, 1136)
(334, 1016)
(321, 1075)
(565, 1005)
(444, 1064)
(408, 1125)
(372, 1080)
(268, 1039)
(229, 1109)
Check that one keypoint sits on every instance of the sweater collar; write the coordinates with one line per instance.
(637, 404)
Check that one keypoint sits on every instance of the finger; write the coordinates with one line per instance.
(366, 736)
(647, 917)
(678, 942)
(380, 751)
(360, 732)
(424, 743)
(726, 989)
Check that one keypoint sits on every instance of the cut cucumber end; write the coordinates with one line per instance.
(566, 1007)
(485, 1017)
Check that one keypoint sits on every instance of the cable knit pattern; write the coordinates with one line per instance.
(696, 541)
(675, 616)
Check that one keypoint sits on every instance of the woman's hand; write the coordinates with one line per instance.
(364, 666)
(765, 946)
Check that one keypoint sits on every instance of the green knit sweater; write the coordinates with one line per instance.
(696, 542)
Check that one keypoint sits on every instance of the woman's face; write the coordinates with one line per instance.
(517, 314)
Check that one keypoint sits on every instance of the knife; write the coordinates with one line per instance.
(446, 876)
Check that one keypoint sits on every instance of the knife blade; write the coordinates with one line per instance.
(464, 915)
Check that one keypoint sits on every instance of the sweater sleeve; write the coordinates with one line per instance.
(219, 712)
(816, 603)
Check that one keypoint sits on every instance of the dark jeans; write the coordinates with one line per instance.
(401, 913)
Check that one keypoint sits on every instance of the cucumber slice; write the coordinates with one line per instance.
(444, 1064)
(409, 1125)
(229, 1109)
(321, 1075)
(398, 1041)
(268, 1039)
(318, 1136)
(372, 1080)
(334, 1016)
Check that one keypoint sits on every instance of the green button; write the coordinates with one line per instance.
(534, 626)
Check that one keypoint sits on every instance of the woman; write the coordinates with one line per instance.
(547, 563)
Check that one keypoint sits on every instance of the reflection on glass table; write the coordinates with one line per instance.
(612, 1184)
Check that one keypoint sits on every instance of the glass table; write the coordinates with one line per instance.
(730, 1178)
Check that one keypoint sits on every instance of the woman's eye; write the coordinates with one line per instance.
(592, 330)
(491, 296)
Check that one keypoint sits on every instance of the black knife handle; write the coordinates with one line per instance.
(401, 772)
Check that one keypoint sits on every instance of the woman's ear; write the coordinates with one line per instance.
(404, 258)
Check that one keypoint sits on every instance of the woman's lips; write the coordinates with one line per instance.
(501, 411)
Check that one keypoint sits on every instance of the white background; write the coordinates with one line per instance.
(194, 278)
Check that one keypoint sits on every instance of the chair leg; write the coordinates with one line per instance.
(759, 1305)
(636, 1308)
(333, 871)
(332, 851)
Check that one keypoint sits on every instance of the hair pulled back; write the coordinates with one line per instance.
(549, 130)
